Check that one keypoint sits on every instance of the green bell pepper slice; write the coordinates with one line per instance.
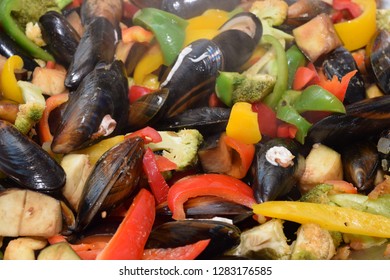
(168, 29)
(295, 59)
(11, 27)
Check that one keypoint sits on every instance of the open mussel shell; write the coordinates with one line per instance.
(363, 119)
(26, 163)
(340, 62)
(383, 148)
(60, 36)
(360, 164)
(113, 179)
(207, 120)
(273, 180)
(378, 59)
(111, 10)
(223, 236)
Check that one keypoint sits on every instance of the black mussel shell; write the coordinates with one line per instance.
(223, 235)
(113, 179)
(271, 181)
(26, 163)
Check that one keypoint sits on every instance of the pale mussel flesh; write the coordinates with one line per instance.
(96, 110)
(113, 179)
(110, 9)
(26, 163)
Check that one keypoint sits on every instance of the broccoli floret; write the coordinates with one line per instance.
(232, 87)
(313, 243)
(30, 112)
(31, 11)
(318, 194)
(180, 147)
(383, 19)
(266, 241)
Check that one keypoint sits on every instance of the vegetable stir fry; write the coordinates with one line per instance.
(255, 129)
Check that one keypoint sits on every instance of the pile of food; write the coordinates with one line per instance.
(194, 129)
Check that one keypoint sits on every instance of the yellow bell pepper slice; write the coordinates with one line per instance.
(329, 217)
(150, 62)
(243, 124)
(9, 85)
(356, 33)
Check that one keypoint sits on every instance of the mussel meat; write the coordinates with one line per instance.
(113, 179)
(276, 168)
(26, 163)
(97, 109)
(110, 9)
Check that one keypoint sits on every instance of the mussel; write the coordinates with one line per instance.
(113, 179)
(188, 8)
(383, 148)
(223, 236)
(26, 163)
(61, 38)
(110, 9)
(276, 168)
(97, 44)
(97, 109)
(378, 59)
(360, 164)
(340, 62)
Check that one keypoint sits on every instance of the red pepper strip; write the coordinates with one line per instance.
(353, 9)
(246, 152)
(136, 92)
(147, 133)
(187, 252)
(164, 164)
(223, 186)
(51, 103)
(305, 76)
(129, 240)
(266, 118)
(336, 87)
(51, 64)
(286, 130)
(156, 181)
(136, 34)
(214, 101)
(75, 4)
(341, 186)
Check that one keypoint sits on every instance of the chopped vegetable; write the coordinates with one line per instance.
(9, 86)
(23, 248)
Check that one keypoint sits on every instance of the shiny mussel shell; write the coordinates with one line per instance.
(223, 236)
(113, 179)
(25, 162)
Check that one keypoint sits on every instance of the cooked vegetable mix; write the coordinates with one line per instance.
(254, 129)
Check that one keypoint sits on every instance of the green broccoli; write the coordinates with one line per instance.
(31, 111)
(180, 147)
(313, 243)
(318, 194)
(31, 11)
(266, 241)
(272, 13)
(383, 19)
(232, 87)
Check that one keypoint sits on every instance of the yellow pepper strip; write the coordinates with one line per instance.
(9, 85)
(243, 124)
(150, 62)
(356, 33)
(329, 217)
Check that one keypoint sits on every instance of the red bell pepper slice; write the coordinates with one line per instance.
(220, 185)
(352, 8)
(286, 130)
(129, 240)
(336, 87)
(187, 252)
(156, 181)
(305, 76)
(242, 163)
(147, 133)
(136, 92)
(51, 103)
(266, 118)
(164, 164)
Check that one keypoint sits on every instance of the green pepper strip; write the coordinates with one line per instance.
(313, 98)
(12, 29)
(280, 87)
(168, 29)
(295, 59)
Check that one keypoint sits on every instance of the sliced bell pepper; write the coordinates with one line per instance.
(356, 33)
(187, 252)
(329, 217)
(168, 29)
(304, 76)
(219, 185)
(156, 181)
(353, 9)
(11, 27)
(295, 59)
(149, 134)
(9, 86)
(266, 119)
(336, 87)
(242, 124)
(150, 62)
(136, 34)
(129, 240)
(136, 92)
